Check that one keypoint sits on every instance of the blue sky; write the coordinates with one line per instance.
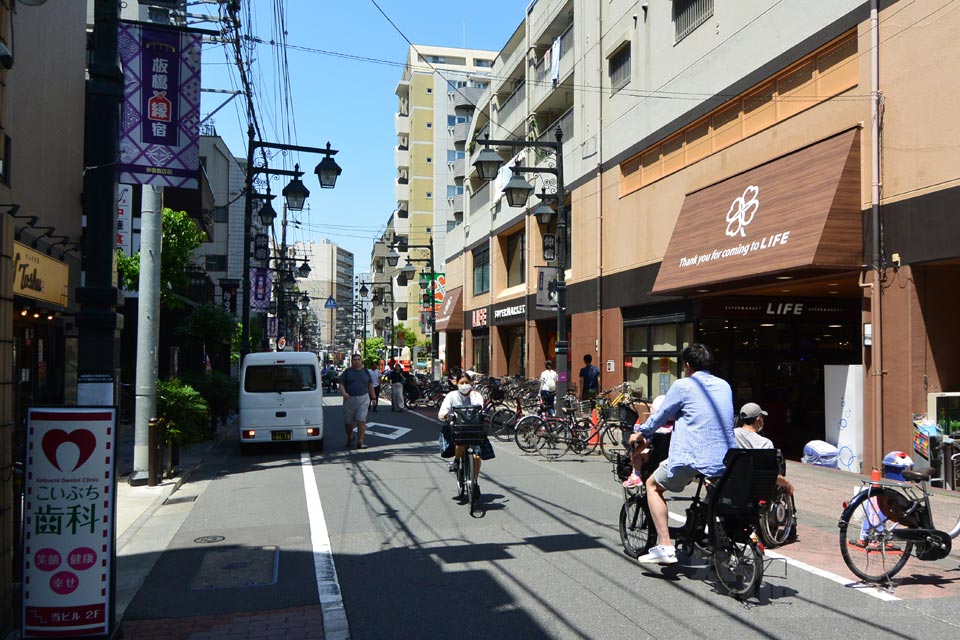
(348, 102)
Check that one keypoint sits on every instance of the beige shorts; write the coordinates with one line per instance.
(676, 479)
(355, 409)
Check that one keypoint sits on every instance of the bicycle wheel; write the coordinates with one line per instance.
(738, 565)
(867, 543)
(473, 491)
(585, 437)
(635, 525)
(526, 436)
(554, 441)
(502, 422)
(776, 519)
(611, 441)
(462, 478)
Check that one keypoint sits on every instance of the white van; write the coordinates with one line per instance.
(281, 399)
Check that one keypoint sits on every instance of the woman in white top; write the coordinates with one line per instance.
(548, 385)
(463, 396)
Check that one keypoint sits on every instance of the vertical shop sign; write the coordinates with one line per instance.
(125, 218)
(261, 281)
(159, 135)
(68, 530)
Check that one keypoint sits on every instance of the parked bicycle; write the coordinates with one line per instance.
(887, 521)
(720, 522)
(467, 424)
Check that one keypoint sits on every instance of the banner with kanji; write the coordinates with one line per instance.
(159, 129)
(68, 522)
(261, 282)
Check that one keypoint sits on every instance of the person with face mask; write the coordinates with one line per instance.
(465, 395)
(748, 436)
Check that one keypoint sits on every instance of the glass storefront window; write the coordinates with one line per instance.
(652, 355)
(481, 353)
(663, 337)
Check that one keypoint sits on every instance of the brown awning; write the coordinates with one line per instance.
(798, 212)
(450, 316)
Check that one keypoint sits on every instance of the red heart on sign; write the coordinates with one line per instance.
(84, 439)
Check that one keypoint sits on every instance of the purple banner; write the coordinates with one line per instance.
(161, 106)
(261, 281)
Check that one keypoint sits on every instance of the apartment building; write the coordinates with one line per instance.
(331, 276)
(436, 99)
(719, 164)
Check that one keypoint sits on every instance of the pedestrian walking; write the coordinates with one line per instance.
(375, 378)
(589, 379)
(356, 387)
(396, 388)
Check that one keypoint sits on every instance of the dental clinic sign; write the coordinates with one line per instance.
(796, 212)
(741, 214)
(68, 522)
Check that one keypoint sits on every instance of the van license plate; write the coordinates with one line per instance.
(279, 435)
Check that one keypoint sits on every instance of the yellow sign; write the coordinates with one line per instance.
(39, 276)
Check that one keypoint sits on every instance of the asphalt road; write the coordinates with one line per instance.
(543, 560)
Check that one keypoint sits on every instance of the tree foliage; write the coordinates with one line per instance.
(179, 240)
(371, 357)
(211, 325)
(182, 410)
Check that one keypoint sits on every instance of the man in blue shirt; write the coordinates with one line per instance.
(702, 406)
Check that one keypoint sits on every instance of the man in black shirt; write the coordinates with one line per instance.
(589, 379)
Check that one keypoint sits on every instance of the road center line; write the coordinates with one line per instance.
(335, 626)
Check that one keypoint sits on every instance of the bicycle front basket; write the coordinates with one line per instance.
(468, 434)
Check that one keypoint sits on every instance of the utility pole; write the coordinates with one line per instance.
(98, 323)
(148, 328)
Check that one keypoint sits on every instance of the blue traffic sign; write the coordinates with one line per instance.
(330, 303)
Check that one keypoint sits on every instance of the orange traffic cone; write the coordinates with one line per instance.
(875, 477)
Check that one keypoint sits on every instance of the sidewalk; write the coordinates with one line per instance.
(137, 507)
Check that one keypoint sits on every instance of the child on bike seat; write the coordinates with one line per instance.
(641, 450)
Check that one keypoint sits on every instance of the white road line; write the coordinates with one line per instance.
(335, 626)
(393, 434)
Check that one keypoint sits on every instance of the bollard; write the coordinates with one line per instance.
(153, 458)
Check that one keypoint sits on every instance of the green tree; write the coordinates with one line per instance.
(180, 238)
(371, 356)
(182, 410)
(212, 326)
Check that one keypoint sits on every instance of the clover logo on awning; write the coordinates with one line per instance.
(742, 210)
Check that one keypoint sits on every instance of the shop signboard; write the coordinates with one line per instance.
(159, 134)
(125, 218)
(68, 530)
(38, 276)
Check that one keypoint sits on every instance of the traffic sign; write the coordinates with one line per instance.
(330, 303)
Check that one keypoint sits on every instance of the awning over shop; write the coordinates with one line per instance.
(450, 316)
(800, 212)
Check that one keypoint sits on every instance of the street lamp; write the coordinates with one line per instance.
(295, 194)
(304, 269)
(408, 271)
(517, 190)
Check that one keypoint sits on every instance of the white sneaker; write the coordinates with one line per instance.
(659, 555)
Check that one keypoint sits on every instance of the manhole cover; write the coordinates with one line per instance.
(237, 567)
(179, 500)
(209, 539)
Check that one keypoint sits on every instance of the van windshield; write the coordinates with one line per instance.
(272, 378)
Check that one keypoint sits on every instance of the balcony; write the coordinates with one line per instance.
(401, 124)
(480, 199)
(401, 157)
(543, 15)
(458, 168)
(401, 190)
(461, 131)
(511, 111)
(466, 97)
